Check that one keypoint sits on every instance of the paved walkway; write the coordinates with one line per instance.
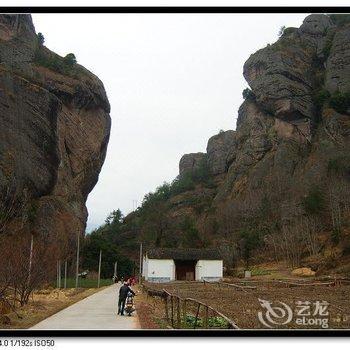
(98, 311)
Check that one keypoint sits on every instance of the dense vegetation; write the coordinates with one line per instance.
(105, 238)
(44, 58)
(150, 224)
(340, 19)
(339, 101)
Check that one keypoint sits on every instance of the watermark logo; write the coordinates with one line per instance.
(306, 314)
(274, 315)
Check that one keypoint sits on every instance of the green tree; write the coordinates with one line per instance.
(340, 101)
(249, 240)
(314, 201)
(92, 245)
(340, 19)
(190, 234)
(115, 217)
(183, 183)
(41, 39)
(70, 60)
(281, 31)
(248, 94)
(155, 222)
(320, 98)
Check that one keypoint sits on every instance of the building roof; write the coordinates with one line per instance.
(184, 254)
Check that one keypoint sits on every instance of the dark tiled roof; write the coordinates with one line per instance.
(184, 254)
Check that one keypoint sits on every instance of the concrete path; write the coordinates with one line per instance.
(98, 311)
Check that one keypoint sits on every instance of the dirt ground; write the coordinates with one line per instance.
(309, 306)
(148, 312)
(43, 304)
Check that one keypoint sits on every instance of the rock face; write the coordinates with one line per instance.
(280, 119)
(219, 151)
(338, 63)
(190, 162)
(54, 131)
(287, 137)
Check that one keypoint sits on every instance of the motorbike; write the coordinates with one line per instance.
(129, 304)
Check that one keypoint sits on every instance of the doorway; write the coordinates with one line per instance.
(185, 270)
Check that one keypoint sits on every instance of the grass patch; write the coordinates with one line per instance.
(256, 271)
(213, 322)
(87, 283)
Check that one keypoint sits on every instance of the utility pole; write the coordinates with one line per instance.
(65, 274)
(99, 270)
(59, 274)
(115, 268)
(77, 263)
(30, 258)
(140, 268)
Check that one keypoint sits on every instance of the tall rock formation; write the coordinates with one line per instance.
(283, 174)
(289, 126)
(190, 162)
(54, 131)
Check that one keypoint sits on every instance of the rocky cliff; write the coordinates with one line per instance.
(282, 177)
(54, 131)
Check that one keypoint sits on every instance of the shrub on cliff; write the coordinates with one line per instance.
(286, 31)
(314, 202)
(41, 39)
(70, 60)
(182, 184)
(340, 19)
(340, 101)
(187, 181)
(54, 62)
(339, 165)
(328, 43)
(248, 94)
(321, 97)
(202, 173)
(281, 31)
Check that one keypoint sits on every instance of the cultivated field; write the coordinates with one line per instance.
(308, 304)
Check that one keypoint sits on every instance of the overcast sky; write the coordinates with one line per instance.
(173, 81)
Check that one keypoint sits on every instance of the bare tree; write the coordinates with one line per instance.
(12, 204)
(19, 278)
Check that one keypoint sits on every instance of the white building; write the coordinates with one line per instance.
(167, 264)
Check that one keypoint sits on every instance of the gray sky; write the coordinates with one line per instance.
(173, 81)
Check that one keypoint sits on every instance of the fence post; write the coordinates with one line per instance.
(166, 308)
(172, 310)
(195, 321)
(184, 309)
(178, 314)
(206, 316)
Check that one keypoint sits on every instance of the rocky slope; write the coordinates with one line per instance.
(54, 131)
(284, 172)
